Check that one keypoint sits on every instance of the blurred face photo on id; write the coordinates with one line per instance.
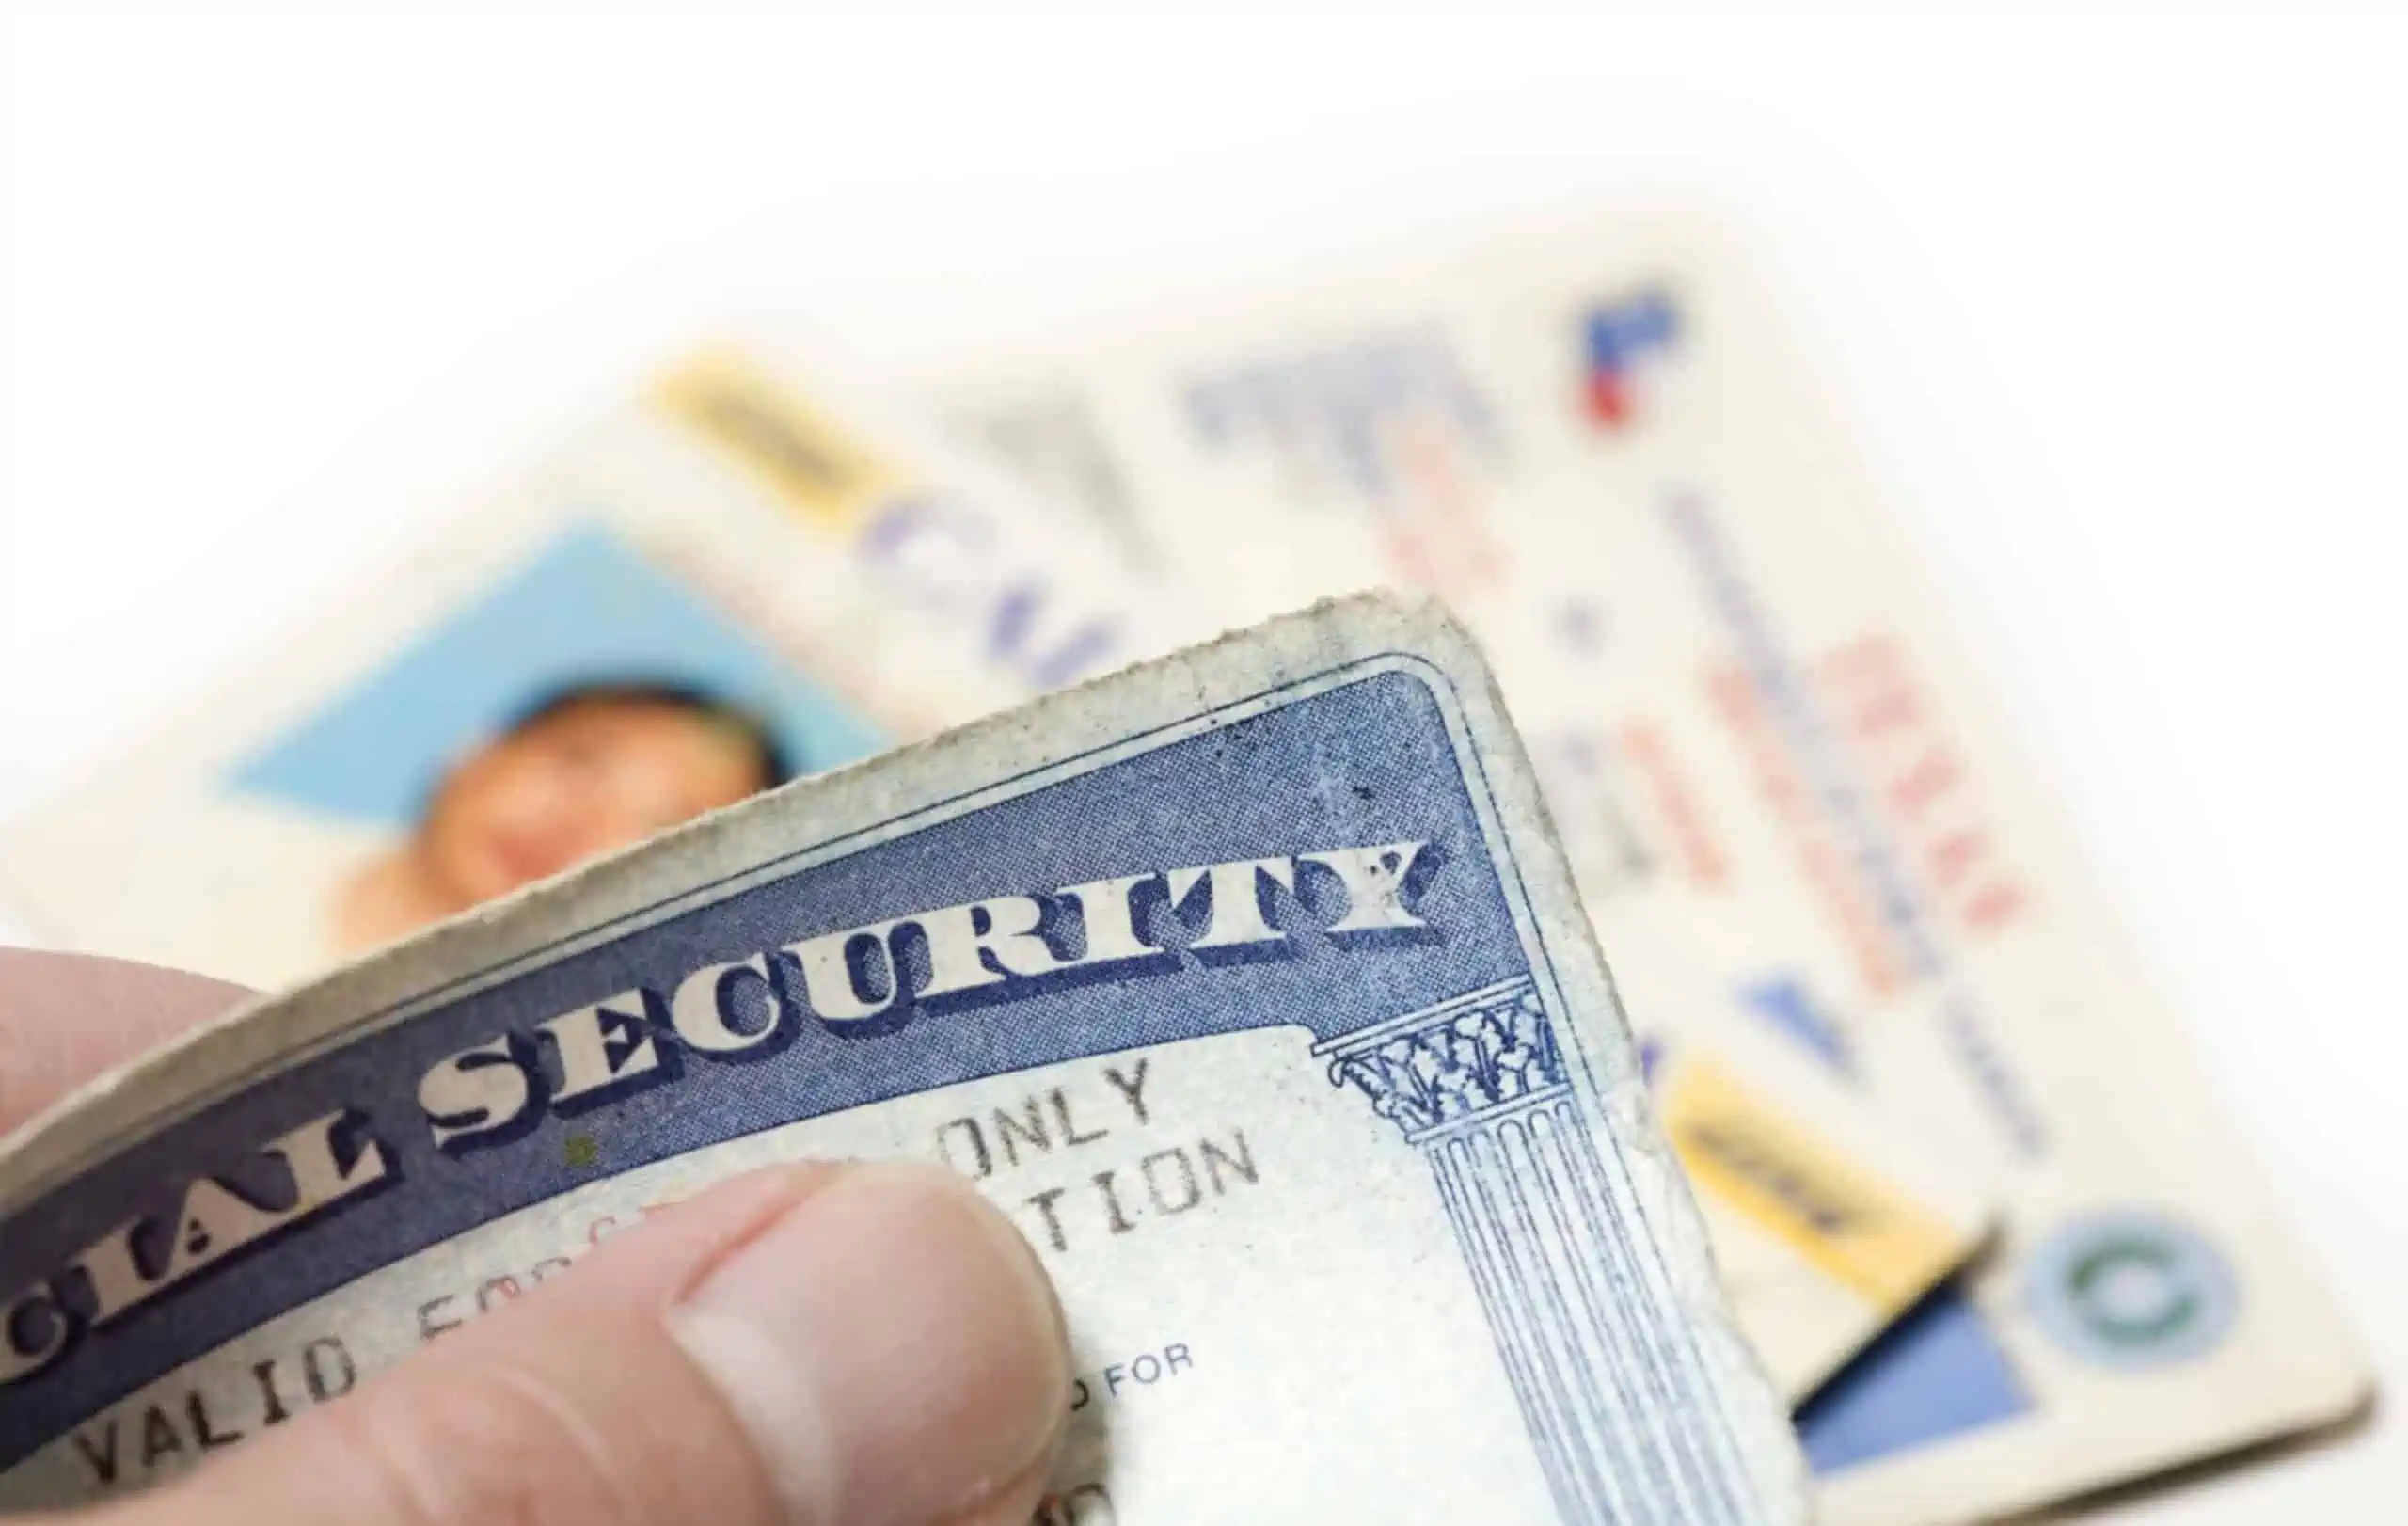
(582, 774)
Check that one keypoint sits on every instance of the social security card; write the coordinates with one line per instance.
(1249, 982)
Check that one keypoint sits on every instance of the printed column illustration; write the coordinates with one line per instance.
(1611, 1388)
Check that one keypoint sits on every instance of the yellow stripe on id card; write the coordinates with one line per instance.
(1788, 1181)
(815, 465)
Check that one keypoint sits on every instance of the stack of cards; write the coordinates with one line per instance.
(1971, 1203)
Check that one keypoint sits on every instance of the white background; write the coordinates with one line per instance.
(2115, 299)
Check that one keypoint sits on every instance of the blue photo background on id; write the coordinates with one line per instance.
(584, 609)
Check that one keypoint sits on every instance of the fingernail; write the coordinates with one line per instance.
(890, 1343)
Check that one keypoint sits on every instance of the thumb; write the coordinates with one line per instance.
(874, 1346)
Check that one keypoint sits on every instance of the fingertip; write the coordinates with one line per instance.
(870, 1345)
(892, 1345)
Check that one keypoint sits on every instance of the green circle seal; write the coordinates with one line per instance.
(2131, 1290)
